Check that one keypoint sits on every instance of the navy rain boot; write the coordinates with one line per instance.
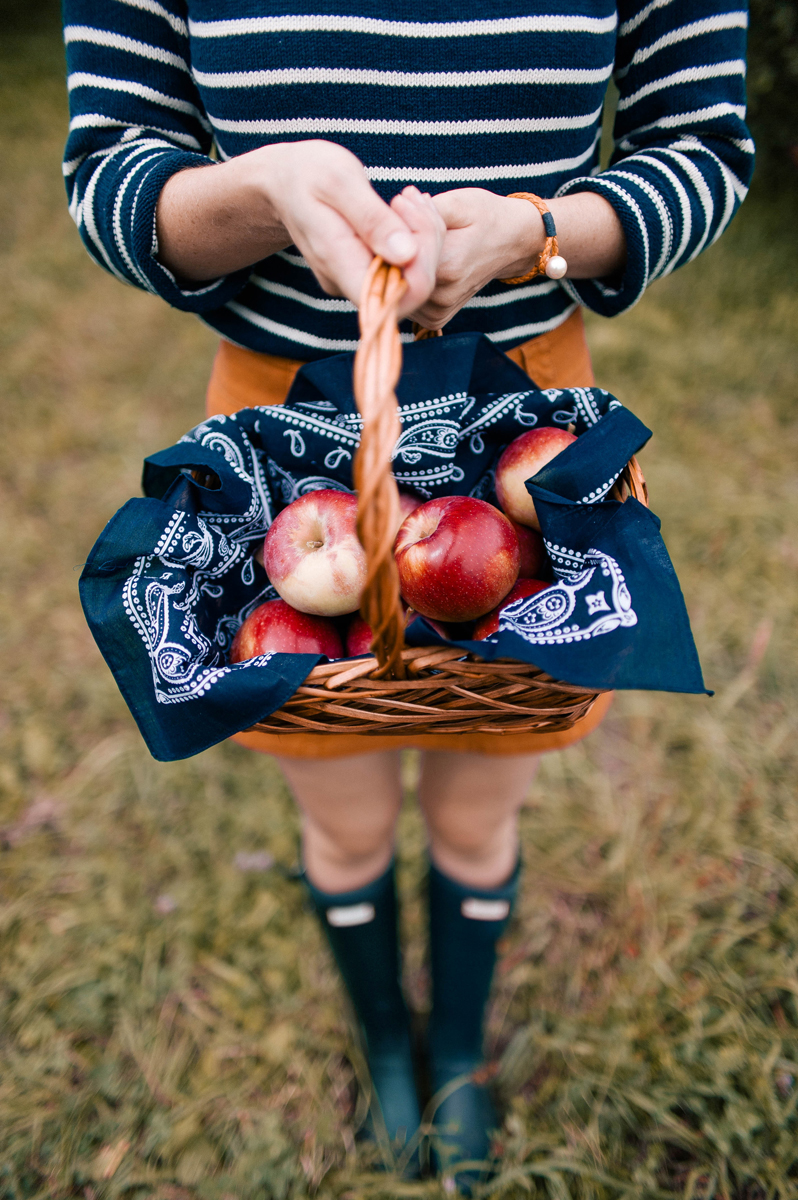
(361, 927)
(465, 925)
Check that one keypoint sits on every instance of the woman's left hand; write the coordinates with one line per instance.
(497, 237)
(487, 237)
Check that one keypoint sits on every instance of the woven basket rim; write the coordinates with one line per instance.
(631, 483)
(445, 691)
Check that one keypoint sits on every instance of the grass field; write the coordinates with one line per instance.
(170, 1025)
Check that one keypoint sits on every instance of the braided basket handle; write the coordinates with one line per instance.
(378, 364)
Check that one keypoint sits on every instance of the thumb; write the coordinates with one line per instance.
(395, 244)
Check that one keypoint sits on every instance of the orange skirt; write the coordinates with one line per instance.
(245, 379)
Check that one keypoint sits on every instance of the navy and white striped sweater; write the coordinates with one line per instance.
(440, 95)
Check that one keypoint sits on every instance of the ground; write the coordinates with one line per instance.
(171, 1024)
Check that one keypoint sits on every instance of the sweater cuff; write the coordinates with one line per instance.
(614, 294)
(137, 220)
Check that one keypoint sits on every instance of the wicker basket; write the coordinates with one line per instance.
(423, 690)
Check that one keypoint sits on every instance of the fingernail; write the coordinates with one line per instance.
(401, 246)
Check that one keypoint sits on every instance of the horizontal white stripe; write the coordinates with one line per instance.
(678, 120)
(636, 21)
(99, 121)
(84, 79)
(298, 335)
(325, 23)
(158, 10)
(730, 20)
(322, 125)
(356, 77)
(537, 327)
(296, 260)
(116, 41)
(512, 294)
(289, 293)
(689, 75)
(480, 174)
(344, 306)
(337, 345)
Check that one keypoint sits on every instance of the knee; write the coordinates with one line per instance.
(476, 853)
(470, 804)
(470, 836)
(351, 845)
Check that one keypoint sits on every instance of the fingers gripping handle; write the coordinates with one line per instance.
(378, 364)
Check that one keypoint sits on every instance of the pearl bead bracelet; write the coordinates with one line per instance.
(550, 262)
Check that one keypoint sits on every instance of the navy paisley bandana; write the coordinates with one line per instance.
(172, 576)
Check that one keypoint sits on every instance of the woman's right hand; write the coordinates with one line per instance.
(314, 195)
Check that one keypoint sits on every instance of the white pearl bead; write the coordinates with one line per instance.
(556, 267)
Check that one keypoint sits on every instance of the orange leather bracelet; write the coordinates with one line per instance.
(550, 261)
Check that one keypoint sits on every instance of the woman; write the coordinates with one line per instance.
(269, 242)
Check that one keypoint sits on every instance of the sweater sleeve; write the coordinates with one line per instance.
(683, 156)
(135, 120)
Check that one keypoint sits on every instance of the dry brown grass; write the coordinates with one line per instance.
(170, 1023)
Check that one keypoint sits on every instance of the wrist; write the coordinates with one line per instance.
(524, 237)
(590, 235)
(217, 218)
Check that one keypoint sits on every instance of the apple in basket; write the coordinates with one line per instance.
(312, 554)
(522, 459)
(408, 503)
(489, 624)
(359, 637)
(278, 627)
(535, 562)
(457, 557)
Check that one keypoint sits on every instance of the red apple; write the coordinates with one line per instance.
(408, 503)
(456, 557)
(359, 636)
(535, 562)
(490, 622)
(312, 554)
(278, 627)
(441, 628)
(522, 459)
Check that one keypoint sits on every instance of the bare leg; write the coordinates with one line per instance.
(349, 810)
(470, 804)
